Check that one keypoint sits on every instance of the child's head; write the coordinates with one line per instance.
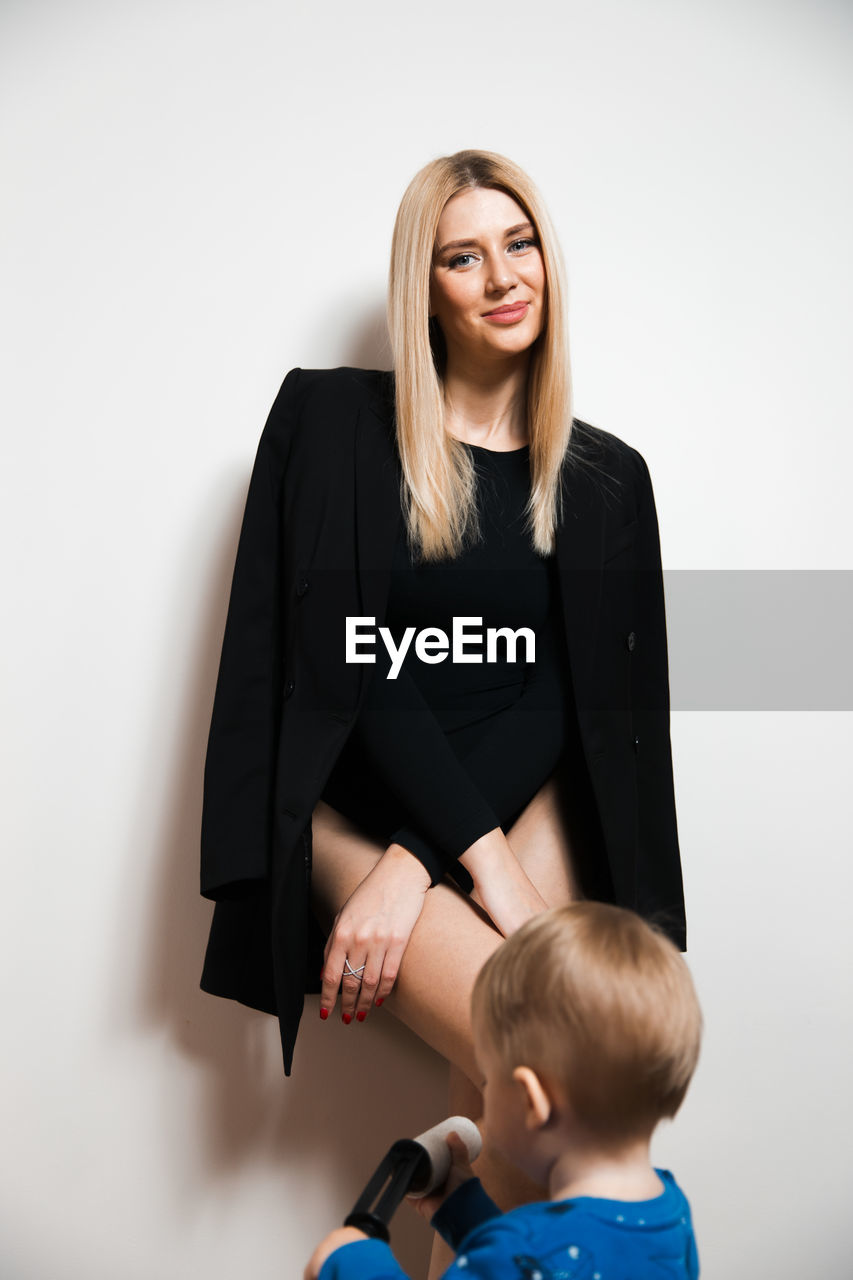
(601, 1006)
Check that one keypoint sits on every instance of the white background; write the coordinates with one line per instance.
(199, 196)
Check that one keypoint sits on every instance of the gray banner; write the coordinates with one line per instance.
(760, 640)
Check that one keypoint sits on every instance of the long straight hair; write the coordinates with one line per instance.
(439, 494)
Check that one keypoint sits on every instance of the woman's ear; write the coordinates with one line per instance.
(538, 1105)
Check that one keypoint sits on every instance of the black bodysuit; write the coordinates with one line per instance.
(448, 751)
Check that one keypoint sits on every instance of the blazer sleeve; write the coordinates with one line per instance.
(239, 770)
(659, 877)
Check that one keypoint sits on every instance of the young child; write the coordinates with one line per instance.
(587, 1030)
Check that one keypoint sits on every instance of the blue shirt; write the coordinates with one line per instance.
(585, 1238)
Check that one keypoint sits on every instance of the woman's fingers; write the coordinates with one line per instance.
(379, 978)
(390, 969)
(328, 991)
(333, 964)
(369, 983)
(351, 983)
(359, 990)
(345, 967)
(369, 935)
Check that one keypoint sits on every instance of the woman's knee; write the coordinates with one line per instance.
(449, 945)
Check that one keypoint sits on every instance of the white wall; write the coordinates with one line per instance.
(198, 196)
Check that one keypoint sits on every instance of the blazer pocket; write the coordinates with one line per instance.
(620, 540)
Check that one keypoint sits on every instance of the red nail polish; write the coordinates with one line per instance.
(324, 1013)
(379, 1001)
(361, 1015)
(347, 1017)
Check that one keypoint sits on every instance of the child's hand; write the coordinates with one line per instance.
(460, 1171)
(333, 1241)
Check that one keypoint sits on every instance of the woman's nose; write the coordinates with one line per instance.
(501, 276)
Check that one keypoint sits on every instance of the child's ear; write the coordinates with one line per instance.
(538, 1105)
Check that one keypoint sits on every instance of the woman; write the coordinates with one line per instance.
(392, 820)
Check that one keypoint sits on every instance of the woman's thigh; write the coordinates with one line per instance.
(541, 840)
(448, 946)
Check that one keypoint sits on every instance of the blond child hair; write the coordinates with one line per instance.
(601, 1005)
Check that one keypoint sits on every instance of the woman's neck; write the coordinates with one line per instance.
(487, 406)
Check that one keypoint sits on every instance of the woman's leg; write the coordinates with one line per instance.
(453, 937)
(449, 945)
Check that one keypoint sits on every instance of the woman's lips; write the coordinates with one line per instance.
(508, 315)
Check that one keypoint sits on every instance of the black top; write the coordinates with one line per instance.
(450, 750)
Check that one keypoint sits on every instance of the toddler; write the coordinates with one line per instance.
(587, 1028)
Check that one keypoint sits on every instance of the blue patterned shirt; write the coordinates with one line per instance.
(585, 1238)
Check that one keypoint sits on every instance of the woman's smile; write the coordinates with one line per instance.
(510, 314)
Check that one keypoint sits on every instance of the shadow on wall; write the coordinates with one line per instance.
(370, 347)
(354, 1090)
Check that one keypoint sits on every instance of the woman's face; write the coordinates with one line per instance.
(487, 288)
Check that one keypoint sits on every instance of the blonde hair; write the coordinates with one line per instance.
(438, 482)
(602, 1005)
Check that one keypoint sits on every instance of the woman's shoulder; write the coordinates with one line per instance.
(595, 443)
(316, 409)
(339, 388)
(611, 467)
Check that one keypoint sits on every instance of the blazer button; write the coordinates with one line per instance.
(302, 586)
(289, 687)
(636, 745)
(631, 641)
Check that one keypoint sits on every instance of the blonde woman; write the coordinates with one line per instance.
(443, 700)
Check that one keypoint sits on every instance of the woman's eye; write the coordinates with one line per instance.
(520, 245)
(461, 260)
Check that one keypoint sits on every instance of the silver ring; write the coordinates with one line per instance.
(356, 973)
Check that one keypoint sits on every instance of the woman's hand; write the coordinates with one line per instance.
(372, 929)
(334, 1240)
(501, 885)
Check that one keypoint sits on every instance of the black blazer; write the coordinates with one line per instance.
(321, 520)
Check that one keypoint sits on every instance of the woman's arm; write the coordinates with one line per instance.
(370, 933)
(455, 797)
